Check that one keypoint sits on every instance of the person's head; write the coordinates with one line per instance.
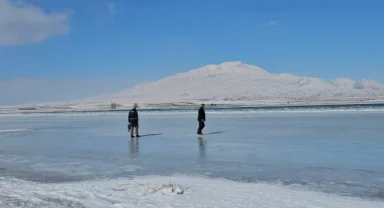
(135, 106)
(203, 105)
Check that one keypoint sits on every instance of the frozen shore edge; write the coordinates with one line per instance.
(94, 107)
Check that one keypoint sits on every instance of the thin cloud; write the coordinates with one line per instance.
(274, 23)
(23, 24)
(21, 90)
(111, 7)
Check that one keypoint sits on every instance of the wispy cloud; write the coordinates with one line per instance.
(22, 23)
(111, 7)
(274, 23)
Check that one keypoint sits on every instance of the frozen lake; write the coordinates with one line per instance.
(303, 156)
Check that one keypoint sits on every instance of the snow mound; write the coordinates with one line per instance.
(368, 84)
(166, 189)
(343, 82)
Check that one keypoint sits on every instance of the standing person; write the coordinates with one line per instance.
(133, 119)
(201, 119)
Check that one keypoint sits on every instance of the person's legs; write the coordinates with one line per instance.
(132, 127)
(201, 126)
(137, 130)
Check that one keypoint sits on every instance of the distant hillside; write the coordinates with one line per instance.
(237, 81)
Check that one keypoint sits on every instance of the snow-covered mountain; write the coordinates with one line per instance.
(240, 81)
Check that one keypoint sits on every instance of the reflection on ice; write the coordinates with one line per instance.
(202, 147)
(134, 146)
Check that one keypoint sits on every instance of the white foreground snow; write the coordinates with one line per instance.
(161, 191)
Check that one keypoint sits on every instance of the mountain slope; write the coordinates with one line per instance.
(240, 81)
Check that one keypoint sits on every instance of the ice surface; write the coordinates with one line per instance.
(312, 158)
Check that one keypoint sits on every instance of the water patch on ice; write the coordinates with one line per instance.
(15, 132)
(53, 170)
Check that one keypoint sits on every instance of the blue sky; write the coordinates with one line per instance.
(131, 40)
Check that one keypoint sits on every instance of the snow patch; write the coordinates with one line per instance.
(13, 131)
(368, 84)
(166, 189)
(343, 82)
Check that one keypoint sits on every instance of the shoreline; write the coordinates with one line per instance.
(102, 107)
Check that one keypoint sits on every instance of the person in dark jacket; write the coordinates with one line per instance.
(133, 120)
(201, 119)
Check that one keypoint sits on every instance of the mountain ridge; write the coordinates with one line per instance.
(237, 81)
